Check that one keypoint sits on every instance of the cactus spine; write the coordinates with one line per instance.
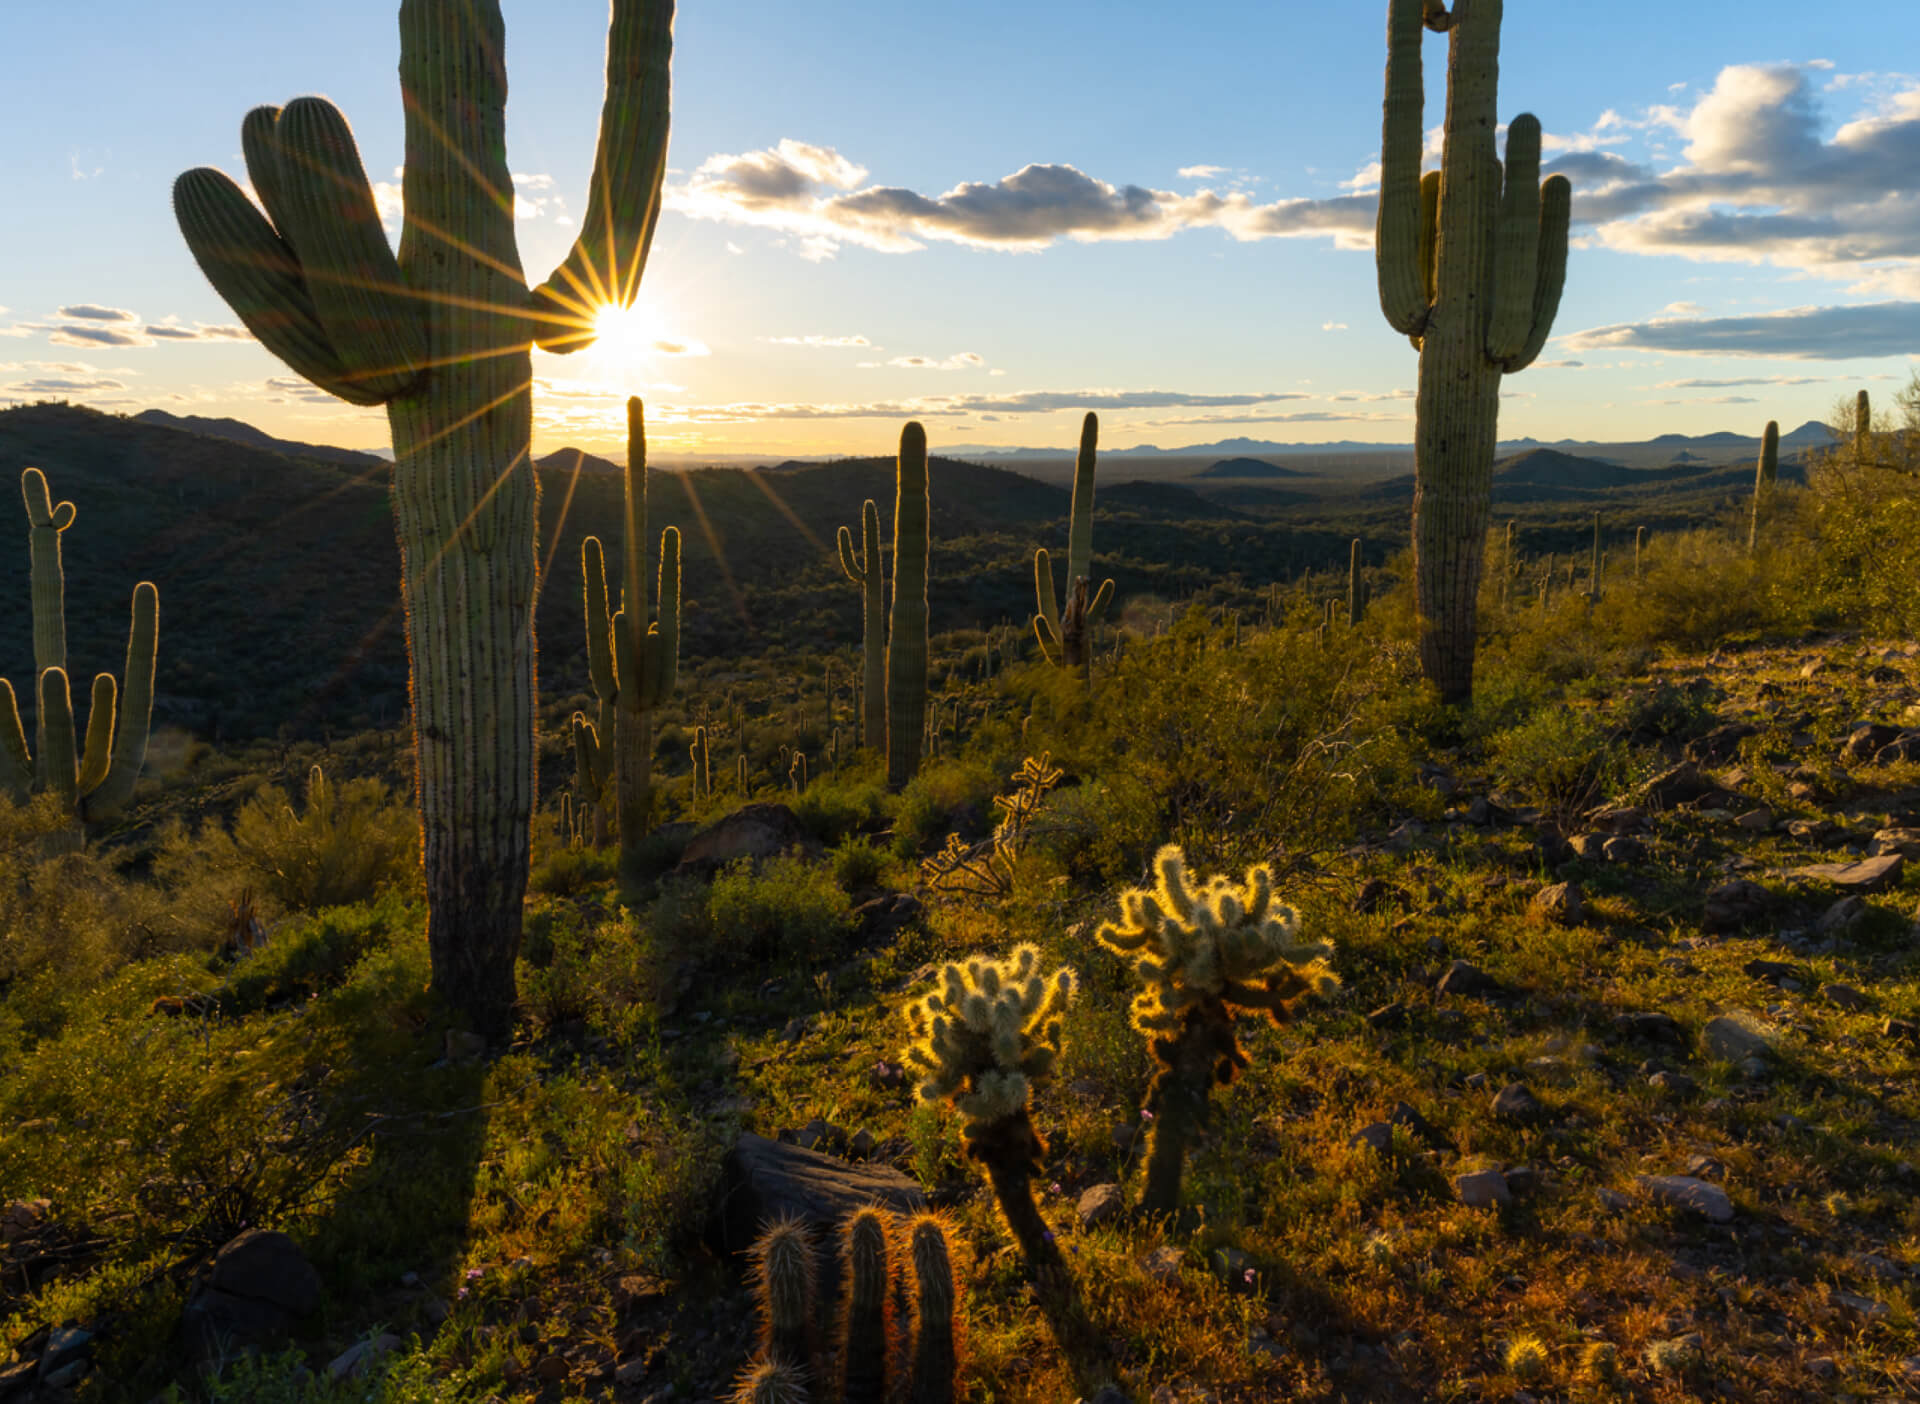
(907, 628)
(1765, 472)
(1471, 271)
(981, 1041)
(93, 774)
(785, 1282)
(864, 571)
(1066, 638)
(441, 336)
(1206, 954)
(633, 660)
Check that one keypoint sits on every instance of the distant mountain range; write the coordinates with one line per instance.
(239, 432)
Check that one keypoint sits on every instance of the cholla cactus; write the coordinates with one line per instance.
(1205, 954)
(981, 1042)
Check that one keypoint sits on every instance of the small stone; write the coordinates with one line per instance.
(1099, 1204)
(1841, 918)
(1483, 1189)
(1846, 996)
(1822, 1367)
(1463, 978)
(353, 1361)
(1731, 1037)
(65, 1344)
(1866, 1308)
(1591, 847)
(1377, 1134)
(1164, 1263)
(1623, 848)
(1515, 1103)
(1755, 820)
(1561, 904)
(1373, 895)
(1676, 1083)
(67, 1376)
(1686, 1192)
(1772, 971)
(1521, 1179)
(1651, 1025)
(1866, 741)
(22, 1217)
(1388, 1017)
(1476, 1082)
(1733, 904)
(1867, 875)
(1903, 1030)
(1612, 1200)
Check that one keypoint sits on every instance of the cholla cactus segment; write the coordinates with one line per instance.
(1217, 941)
(989, 1032)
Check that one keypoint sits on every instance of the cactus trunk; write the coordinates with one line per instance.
(907, 630)
(1764, 474)
(864, 571)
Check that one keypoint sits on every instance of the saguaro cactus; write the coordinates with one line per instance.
(633, 660)
(700, 753)
(864, 571)
(94, 777)
(1471, 271)
(1595, 566)
(1066, 636)
(1356, 601)
(1765, 472)
(440, 336)
(907, 628)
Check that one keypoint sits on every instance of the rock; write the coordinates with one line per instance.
(1772, 971)
(1483, 1189)
(1612, 1200)
(1865, 1308)
(1676, 1083)
(352, 1362)
(1905, 842)
(1618, 819)
(883, 918)
(1515, 1103)
(1904, 747)
(1732, 1037)
(1734, 904)
(1462, 978)
(1846, 996)
(754, 831)
(1822, 1367)
(1483, 812)
(1562, 904)
(1755, 820)
(1374, 893)
(1679, 785)
(1866, 740)
(1867, 875)
(1903, 1030)
(1099, 1204)
(267, 1266)
(1810, 830)
(23, 1217)
(1721, 744)
(1650, 1024)
(1163, 1264)
(65, 1378)
(1842, 918)
(65, 1344)
(1590, 847)
(1378, 1134)
(1686, 1192)
(1623, 848)
(761, 1180)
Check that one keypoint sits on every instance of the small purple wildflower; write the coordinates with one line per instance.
(1145, 1115)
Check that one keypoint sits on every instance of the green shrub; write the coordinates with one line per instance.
(565, 872)
(313, 954)
(1563, 759)
(832, 809)
(65, 922)
(786, 909)
(857, 864)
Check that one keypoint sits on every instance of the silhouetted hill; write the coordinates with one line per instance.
(1545, 467)
(1247, 468)
(1160, 499)
(567, 460)
(239, 432)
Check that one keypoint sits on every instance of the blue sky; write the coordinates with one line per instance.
(855, 235)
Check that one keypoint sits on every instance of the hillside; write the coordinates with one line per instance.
(240, 432)
(1248, 468)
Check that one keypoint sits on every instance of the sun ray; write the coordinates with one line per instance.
(713, 544)
(559, 528)
(759, 480)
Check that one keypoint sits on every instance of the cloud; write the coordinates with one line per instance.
(1333, 326)
(62, 385)
(817, 342)
(1800, 333)
(167, 331)
(1743, 380)
(947, 406)
(1293, 417)
(1201, 172)
(94, 312)
(292, 387)
(534, 198)
(816, 194)
(964, 360)
(1761, 182)
(97, 336)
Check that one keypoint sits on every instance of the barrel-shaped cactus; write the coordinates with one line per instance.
(981, 1041)
(1065, 634)
(1470, 268)
(94, 772)
(1205, 953)
(441, 336)
(864, 570)
(633, 659)
(907, 626)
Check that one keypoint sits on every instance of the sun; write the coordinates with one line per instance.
(625, 337)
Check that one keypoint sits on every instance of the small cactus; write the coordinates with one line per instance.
(981, 1042)
(768, 1382)
(863, 569)
(1206, 953)
(740, 772)
(935, 1353)
(702, 759)
(866, 1325)
(1356, 600)
(786, 1284)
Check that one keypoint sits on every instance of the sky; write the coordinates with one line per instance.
(995, 216)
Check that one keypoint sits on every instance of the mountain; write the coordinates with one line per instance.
(1248, 468)
(1545, 467)
(242, 433)
(567, 460)
(1160, 499)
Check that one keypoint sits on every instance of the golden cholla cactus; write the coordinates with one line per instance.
(1205, 953)
(981, 1041)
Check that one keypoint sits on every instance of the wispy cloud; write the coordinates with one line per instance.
(94, 312)
(964, 360)
(947, 406)
(818, 342)
(1802, 333)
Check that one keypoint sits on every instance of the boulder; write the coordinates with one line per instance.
(1867, 875)
(1483, 1189)
(260, 1285)
(753, 831)
(884, 917)
(1649, 1024)
(1686, 1192)
(1721, 744)
(1464, 978)
(1905, 842)
(1736, 1036)
(1562, 904)
(1099, 1204)
(1515, 1103)
(1866, 741)
(1841, 918)
(763, 1180)
(1735, 903)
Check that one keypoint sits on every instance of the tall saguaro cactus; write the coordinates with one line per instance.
(440, 335)
(1066, 635)
(633, 660)
(907, 629)
(1765, 473)
(1471, 269)
(864, 571)
(93, 772)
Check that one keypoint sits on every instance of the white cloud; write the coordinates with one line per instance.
(1802, 333)
(1201, 172)
(963, 360)
(817, 342)
(1333, 326)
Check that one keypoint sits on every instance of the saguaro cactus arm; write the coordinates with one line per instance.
(1049, 626)
(45, 522)
(115, 788)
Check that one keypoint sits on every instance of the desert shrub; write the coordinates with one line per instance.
(1862, 528)
(1563, 759)
(831, 809)
(1696, 589)
(949, 792)
(63, 913)
(786, 909)
(857, 864)
(563, 872)
(312, 954)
